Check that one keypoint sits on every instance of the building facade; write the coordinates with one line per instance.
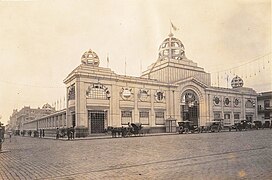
(28, 115)
(265, 108)
(174, 86)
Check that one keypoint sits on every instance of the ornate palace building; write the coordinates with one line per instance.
(173, 86)
(265, 108)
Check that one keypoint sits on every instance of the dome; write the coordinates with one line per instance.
(237, 82)
(90, 58)
(172, 48)
(46, 106)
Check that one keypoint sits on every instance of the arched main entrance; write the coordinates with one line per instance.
(189, 107)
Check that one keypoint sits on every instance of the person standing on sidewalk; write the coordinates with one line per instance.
(10, 134)
(68, 133)
(40, 133)
(73, 132)
(57, 133)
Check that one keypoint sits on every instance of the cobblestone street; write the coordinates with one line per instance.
(234, 155)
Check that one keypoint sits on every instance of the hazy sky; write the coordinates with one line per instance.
(42, 41)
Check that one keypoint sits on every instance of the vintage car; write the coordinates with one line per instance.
(240, 125)
(257, 124)
(214, 126)
(187, 126)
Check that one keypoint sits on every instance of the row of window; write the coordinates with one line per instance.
(99, 91)
(126, 117)
(57, 121)
(250, 103)
(217, 115)
(236, 116)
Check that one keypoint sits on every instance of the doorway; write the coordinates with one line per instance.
(190, 107)
(96, 121)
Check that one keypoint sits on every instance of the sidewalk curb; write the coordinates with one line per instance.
(110, 137)
(101, 137)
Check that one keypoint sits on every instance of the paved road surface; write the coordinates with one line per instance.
(234, 155)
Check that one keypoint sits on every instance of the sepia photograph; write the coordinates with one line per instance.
(135, 89)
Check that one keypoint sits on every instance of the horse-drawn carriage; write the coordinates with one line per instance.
(135, 129)
(187, 126)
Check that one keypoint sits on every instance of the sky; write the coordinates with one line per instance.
(41, 42)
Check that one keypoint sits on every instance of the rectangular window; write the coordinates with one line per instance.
(226, 119)
(159, 118)
(144, 117)
(217, 115)
(267, 115)
(126, 117)
(226, 116)
(266, 104)
(249, 118)
(236, 116)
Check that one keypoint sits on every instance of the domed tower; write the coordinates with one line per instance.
(237, 82)
(47, 106)
(172, 65)
(90, 58)
(171, 48)
(47, 109)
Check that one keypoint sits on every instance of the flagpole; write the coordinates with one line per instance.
(125, 66)
(107, 60)
(170, 26)
(140, 67)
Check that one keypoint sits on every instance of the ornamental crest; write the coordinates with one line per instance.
(226, 101)
(216, 100)
(143, 94)
(159, 96)
(126, 93)
(236, 102)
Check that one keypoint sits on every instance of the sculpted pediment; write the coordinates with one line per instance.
(193, 80)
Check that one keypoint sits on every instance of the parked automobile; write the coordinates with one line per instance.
(257, 124)
(214, 126)
(187, 126)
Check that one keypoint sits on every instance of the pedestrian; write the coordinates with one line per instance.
(40, 133)
(72, 132)
(57, 133)
(43, 133)
(130, 128)
(68, 133)
(10, 133)
(123, 131)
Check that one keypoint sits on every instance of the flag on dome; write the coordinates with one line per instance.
(174, 27)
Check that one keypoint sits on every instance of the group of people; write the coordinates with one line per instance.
(42, 133)
(70, 133)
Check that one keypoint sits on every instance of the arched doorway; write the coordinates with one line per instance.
(189, 107)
